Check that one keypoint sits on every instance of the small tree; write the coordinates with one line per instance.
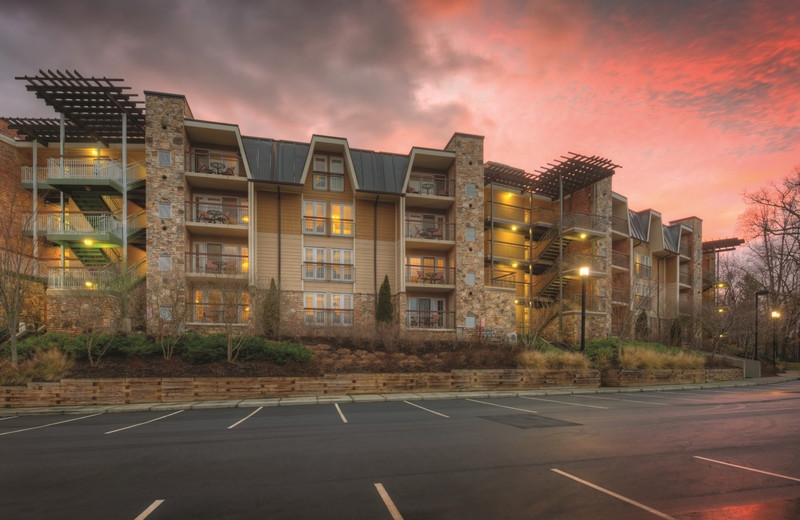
(169, 318)
(271, 311)
(384, 313)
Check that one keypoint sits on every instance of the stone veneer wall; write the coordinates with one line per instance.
(165, 236)
(73, 312)
(469, 258)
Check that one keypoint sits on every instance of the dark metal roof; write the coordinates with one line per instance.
(576, 172)
(672, 237)
(275, 161)
(92, 108)
(719, 246)
(639, 224)
(379, 172)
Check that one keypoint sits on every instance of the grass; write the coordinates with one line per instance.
(42, 365)
(553, 360)
(649, 358)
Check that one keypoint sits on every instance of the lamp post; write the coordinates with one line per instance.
(584, 272)
(775, 317)
(755, 349)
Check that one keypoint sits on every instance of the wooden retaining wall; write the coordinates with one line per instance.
(624, 378)
(151, 390)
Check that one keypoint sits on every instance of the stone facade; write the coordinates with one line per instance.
(165, 183)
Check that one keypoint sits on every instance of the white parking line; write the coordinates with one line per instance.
(748, 469)
(427, 410)
(615, 495)
(562, 402)
(619, 399)
(502, 406)
(149, 510)
(146, 422)
(344, 419)
(388, 501)
(653, 394)
(51, 424)
(9, 417)
(240, 421)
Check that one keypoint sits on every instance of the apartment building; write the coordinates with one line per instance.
(192, 221)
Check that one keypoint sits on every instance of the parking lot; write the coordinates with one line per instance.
(700, 454)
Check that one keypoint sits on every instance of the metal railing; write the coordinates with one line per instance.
(431, 275)
(328, 272)
(216, 264)
(328, 226)
(502, 249)
(620, 225)
(643, 271)
(328, 317)
(572, 302)
(595, 263)
(416, 319)
(509, 212)
(620, 259)
(209, 213)
(685, 249)
(500, 278)
(86, 222)
(93, 278)
(214, 163)
(220, 313)
(427, 230)
(684, 278)
(430, 184)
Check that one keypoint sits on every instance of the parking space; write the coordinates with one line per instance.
(675, 454)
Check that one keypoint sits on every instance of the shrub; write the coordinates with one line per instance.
(200, 349)
(384, 313)
(134, 345)
(280, 353)
(51, 365)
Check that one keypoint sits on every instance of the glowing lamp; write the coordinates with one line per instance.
(583, 271)
(88, 241)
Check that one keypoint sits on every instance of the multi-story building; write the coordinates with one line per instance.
(191, 221)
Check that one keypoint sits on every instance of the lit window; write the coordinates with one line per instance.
(314, 311)
(341, 309)
(314, 218)
(341, 219)
(314, 263)
(342, 265)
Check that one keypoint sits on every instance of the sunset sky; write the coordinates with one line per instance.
(698, 101)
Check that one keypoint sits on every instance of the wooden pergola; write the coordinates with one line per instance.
(93, 110)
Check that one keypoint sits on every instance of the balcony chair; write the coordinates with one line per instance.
(212, 266)
(420, 277)
(203, 216)
(230, 267)
(436, 234)
(437, 277)
(434, 320)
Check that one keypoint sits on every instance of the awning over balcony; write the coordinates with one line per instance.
(92, 108)
(576, 172)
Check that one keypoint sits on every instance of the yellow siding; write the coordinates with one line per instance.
(365, 261)
(291, 262)
(267, 259)
(267, 211)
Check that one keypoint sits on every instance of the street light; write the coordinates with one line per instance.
(584, 272)
(755, 350)
(775, 317)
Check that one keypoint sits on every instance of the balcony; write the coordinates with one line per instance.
(204, 265)
(508, 213)
(215, 170)
(416, 319)
(573, 263)
(620, 226)
(202, 217)
(235, 314)
(431, 277)
(93, 278)
(685, 249)
(85, 172)
(93, 229)
(331, 227)
(573, 301)
(643, 271)
(499, 249)
(684, 278)
(328, 272)
(328, 317)
(620, 260)
(430, 191)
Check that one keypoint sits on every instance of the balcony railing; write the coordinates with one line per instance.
(502, 249)
(214, 264)
(620, 259)
(214, 163)
(93, 168)
(220, 313)
(620, 225)
(499, 278)
(621, 294)
(428, 184)
(87, 222)
(685, 249)
(328, 272)
(509, 212)
(427, 230)
(206, 213)
(93, 278)
(684, 278)
(595, 263)
(572, 301)
(416, 319)
(328, 317)
(430, 275)
(332, 227)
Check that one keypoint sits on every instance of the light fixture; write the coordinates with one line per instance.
(583, 271)
(88, 242)
(776, 315)
(721, 310)
(516, 302)
(583, 236)
(513, 228)
(88, 284)
(514, 264)
(245, 219)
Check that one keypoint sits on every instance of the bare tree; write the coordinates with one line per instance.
(16, 267)
(169, 322)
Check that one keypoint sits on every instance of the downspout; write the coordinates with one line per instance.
(279, 239)
(375, 252)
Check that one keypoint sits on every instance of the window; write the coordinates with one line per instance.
(164, 210)
(643, 266)
(469, 190)
(165, 263)
(470, 279)
(321, 163)
(426, 269)
(215, 306)
(314, 304)
(426, 312)
(469, 233)
(337, 182)
(314, 218)
(320, 182)
(164, 158)
(341, 219)
(165, 313)
(314, 263)
(341, 309)
(470, 324)
(342, 265)
(336, 165)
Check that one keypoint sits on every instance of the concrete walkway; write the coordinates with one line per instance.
(371, 398)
